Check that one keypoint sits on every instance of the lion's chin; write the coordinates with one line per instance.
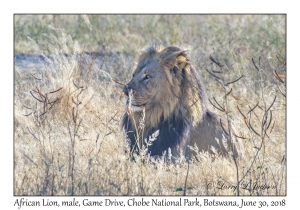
(136, 108)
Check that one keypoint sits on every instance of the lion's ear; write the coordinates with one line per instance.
(176, 60)
(181, 61)
(177, 66)
(173, 56)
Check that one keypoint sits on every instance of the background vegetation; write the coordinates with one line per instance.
(68, 139)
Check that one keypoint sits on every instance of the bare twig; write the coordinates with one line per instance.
(76, 85)
(270, 120)
(228, 92)
(107, 134)
(253, 108)
(253, 129)
(121, 93)
(223, 127)
(30, 131)
(73, 115)
(215, 61)
(56, 90)
(234, 80)
(75, 102)
(97, 138)
(241, 137)
(221, 109)
(272, 126)
(26, 106)
(35, 97)
(218, 104)
(283, 63)
(271, 104)
(280, 90)
(279, 76)
(116, 81)
(43, 113)
(45, 103)
(35, 77)
(27, 114)
(236, 98)
(39, 92)
(212, 74)
(29, 159)
(218, 72)
(53, 103)
(112, 118)
(255, 64)
(241, 112)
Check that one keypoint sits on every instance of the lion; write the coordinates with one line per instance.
(167, 107)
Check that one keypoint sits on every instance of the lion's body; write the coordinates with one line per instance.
(168, 101)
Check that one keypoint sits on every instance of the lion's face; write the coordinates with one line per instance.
(145, 87)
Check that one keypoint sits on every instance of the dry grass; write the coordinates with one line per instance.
(68, 139)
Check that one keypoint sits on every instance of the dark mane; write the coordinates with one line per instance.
(171, 134)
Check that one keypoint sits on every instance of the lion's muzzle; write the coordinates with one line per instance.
(127, 89)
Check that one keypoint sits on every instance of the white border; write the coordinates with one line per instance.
(153, 6)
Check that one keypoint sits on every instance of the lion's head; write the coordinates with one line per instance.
(165, 84)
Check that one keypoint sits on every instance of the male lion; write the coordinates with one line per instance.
(168, 101)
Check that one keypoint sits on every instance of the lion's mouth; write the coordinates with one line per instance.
(138, 105)
(135, 107)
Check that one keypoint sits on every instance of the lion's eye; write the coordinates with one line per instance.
(147, 76)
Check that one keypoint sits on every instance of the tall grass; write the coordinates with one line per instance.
(68, 138)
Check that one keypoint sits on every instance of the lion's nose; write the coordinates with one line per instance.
(127, 89)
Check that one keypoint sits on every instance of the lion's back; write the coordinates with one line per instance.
(204, 135)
